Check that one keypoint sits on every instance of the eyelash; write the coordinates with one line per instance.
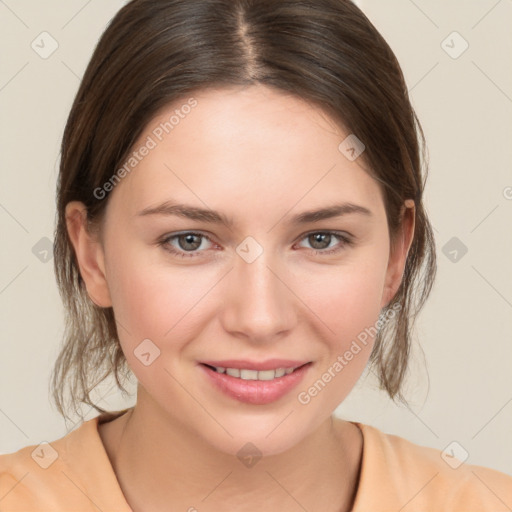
(346, 241)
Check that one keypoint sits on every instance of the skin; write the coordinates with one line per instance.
(260, 157)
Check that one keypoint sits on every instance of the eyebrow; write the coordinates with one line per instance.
(214, 217)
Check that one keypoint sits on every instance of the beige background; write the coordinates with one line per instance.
(465, 107)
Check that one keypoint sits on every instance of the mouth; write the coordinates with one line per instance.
(252, 374)
(252, 385)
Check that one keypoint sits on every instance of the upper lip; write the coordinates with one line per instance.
(269, 364)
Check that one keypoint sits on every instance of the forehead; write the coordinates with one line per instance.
(244, 150)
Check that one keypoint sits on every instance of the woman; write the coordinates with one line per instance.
(240, 224)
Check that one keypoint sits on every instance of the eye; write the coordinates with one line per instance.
(186, 244)
(321, 240)
(190, 244)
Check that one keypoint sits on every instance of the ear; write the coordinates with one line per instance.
(89, 254)
(398, 252)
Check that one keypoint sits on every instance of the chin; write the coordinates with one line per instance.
(252, 442)
(266, 433)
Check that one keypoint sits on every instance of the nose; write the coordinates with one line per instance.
(259, 303)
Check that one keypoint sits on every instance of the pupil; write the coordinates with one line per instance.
(318, 237)
(189, 239)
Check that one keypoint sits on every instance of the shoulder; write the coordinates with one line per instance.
(72, 470)
(422, 478)
(28, 475)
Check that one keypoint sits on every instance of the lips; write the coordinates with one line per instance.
(255, 391)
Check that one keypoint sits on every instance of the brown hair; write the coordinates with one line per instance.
(155, 52)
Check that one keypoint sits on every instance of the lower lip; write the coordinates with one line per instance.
(256, 392)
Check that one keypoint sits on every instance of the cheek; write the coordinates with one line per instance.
(147, 303)
(346, 297)
(160, 303)
(155, 300)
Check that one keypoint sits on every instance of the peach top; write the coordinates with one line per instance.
(74, 473)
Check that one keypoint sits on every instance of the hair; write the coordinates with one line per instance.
(155, 52)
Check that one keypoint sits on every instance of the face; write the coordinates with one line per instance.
(261, 282)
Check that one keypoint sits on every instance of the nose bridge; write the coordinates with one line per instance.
(259, 304)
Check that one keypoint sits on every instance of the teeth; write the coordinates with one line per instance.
(248, 374)
(234, 372)
(266, 375)
(254, 374)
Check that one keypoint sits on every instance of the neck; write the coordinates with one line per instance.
(160, 464)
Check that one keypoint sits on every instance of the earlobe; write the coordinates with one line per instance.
(399, 252)
(89, 254)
